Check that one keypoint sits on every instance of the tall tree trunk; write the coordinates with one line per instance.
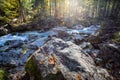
(104, 9)
(98, 4)
(21, 12)
(50, 8)
(109, 8)
(117, 10)
(113, 7)
(55, 8)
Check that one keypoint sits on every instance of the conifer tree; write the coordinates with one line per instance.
(8, 10)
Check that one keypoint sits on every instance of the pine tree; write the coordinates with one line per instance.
(8, 10)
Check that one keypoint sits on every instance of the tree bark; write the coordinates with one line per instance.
(21, 12)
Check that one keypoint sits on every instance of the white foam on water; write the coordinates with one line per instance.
(43, 36)
(8, 37)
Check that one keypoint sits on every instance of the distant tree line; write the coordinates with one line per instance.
(61, 9)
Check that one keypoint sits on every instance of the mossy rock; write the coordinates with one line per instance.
(117, 37)
(3, 75)
(31, 69)
(35, 74)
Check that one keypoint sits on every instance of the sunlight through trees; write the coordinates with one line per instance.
(65, 9)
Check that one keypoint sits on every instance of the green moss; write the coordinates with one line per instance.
(117, 37)
(3, 75)
(35, 74)
(31, 69)
(9, 9)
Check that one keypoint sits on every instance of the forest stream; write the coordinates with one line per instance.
(59, 39)
(20, 54)
(15, 49)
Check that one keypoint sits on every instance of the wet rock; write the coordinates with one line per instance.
(61, 33)
(14, 61)
(86, 45)
(78, 27)
(110, 55)
(60, 60)
(94, 53)
(11, 52)
(3, 31)
(14, 55)
(18, 76)
(11, 44)
(9, 39)
(88, 48)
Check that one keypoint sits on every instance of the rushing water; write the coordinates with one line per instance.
(26, 36)
(10, 55)
(29, 36)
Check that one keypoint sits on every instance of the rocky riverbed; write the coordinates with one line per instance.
(61, 52)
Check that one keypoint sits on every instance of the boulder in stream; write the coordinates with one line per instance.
(60, 60)
(110, 56)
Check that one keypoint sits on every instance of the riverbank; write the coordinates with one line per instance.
(18, 47)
